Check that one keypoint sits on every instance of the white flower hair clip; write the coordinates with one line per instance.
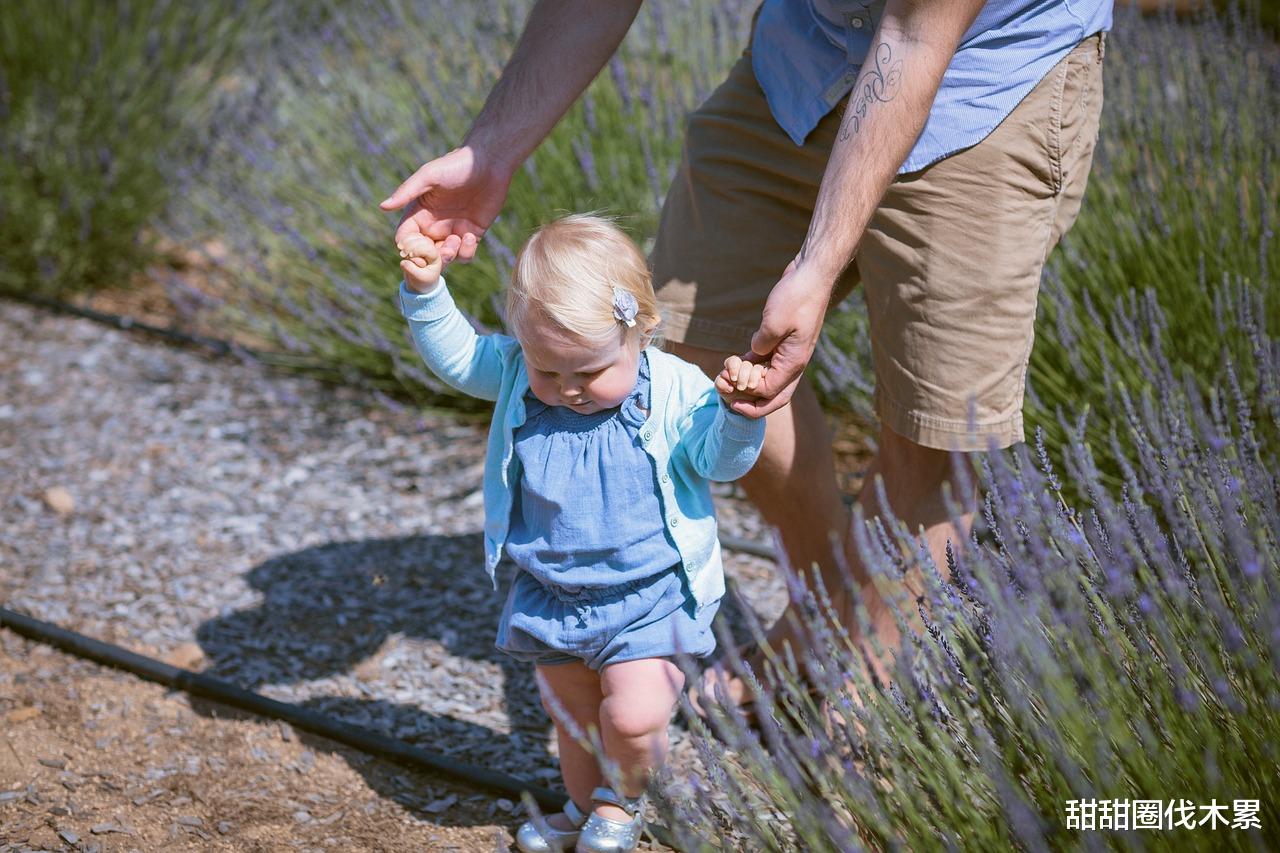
(625, 306)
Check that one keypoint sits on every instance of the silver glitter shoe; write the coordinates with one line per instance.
(530, 840)
(603, 835)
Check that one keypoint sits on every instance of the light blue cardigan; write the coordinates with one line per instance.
(690, 435)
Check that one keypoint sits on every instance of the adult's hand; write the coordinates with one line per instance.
(787, 336)
(453, 200)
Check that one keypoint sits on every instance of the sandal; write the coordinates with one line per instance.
(605, 835)
(531, 839)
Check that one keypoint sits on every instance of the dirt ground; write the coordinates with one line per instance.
(96, 759)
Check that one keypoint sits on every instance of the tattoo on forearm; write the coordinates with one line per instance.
(880, 81)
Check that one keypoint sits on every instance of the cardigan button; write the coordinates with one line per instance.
(648, 434)
(666, 479)
(675, 520)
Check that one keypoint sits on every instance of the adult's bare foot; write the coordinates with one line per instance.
(720, 680)
(718, 683)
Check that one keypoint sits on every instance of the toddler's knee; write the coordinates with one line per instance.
(631, 718)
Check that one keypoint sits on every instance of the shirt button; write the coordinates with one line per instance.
(648, 434)
(674, 521)
(856, 23)
(666, 479)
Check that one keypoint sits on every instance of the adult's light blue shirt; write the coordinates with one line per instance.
(690, 437)
(806, 54)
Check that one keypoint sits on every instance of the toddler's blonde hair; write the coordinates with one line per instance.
(565, 274)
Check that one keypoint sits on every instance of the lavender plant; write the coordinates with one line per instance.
(1181, 214)
(1122, 647)
(94, 99)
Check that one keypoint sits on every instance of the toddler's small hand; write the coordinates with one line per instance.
(421, 262)
(738, 376)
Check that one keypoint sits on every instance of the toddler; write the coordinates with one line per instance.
(596, 480)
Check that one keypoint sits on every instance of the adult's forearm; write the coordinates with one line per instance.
(886, 111)
(564, 45)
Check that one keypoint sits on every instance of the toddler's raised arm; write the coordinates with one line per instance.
(468, 361)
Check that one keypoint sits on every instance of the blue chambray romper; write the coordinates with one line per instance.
(599, 578)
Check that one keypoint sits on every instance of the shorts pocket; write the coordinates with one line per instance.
(1082, 90)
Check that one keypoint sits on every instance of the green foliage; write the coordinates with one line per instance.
(95, 100)
(1179, 213)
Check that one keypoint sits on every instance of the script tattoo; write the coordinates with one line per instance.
(880, 81)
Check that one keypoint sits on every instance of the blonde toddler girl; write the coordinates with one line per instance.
(600, 453)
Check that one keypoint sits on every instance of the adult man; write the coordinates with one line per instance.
(933, 150)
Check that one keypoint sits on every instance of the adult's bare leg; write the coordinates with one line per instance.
(794, 487)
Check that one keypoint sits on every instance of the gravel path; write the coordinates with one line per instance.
(294, 538)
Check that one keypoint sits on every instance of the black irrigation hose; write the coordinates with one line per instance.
(198, 684)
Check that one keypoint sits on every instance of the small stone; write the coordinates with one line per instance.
(69, 836)
(190, 820)
(505, 804)
(59, 500)
(104, 828)
(186, 656)
(55, 763)
(302, 816)
(437, 806)
(22, 715)
(224, 826)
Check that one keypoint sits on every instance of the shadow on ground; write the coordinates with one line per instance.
(328, 610)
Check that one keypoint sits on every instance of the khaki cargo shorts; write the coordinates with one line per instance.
(950, 262)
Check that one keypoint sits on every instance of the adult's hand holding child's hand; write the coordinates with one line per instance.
(452, 199)
(421, 262)
(739, 376)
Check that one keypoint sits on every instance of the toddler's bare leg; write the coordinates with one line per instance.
(576, 688)
(639, 697)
